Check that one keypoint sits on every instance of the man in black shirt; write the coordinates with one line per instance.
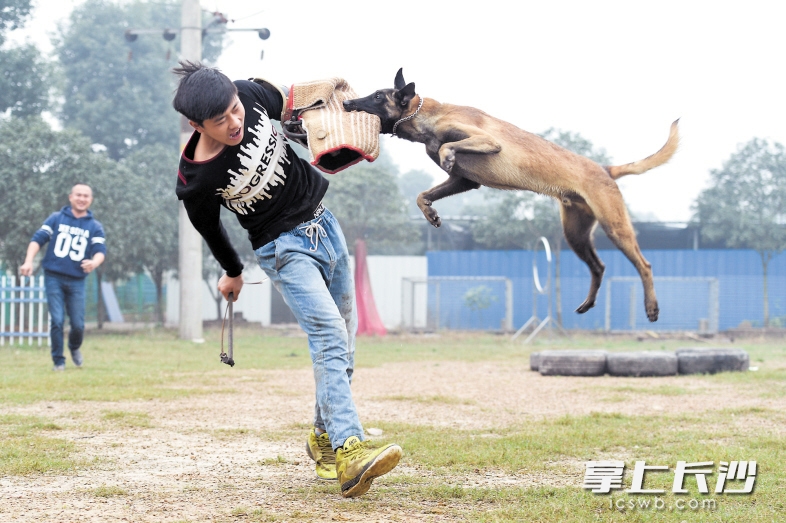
(236, 158)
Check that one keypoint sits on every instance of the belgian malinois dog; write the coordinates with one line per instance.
(477, 149)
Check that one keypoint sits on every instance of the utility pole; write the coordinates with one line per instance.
(190, 242)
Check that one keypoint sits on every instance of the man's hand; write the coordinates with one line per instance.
(89, 266)
(227, 284)
(26, 269)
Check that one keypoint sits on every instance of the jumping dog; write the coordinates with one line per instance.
(477, 149)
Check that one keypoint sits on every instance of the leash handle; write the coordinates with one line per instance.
(231, 337)
(228, 358)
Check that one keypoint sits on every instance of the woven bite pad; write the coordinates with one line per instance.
(336, 138)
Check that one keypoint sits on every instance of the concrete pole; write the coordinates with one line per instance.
(190, 247)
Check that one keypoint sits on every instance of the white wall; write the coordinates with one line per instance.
(386, 274)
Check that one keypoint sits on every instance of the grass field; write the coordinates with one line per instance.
(156, 429)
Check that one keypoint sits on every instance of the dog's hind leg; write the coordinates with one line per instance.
(453, 185)
(613, 217)
(578, 222)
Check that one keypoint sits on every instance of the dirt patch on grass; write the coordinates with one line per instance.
(239, 454)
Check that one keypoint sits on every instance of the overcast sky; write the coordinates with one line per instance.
(617, 72)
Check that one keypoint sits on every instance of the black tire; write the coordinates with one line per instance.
(572, 362)
(643, 363)
(700, 360)
(534, 361)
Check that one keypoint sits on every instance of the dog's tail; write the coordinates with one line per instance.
(650, 162)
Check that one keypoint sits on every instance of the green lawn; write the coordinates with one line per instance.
(156, 365)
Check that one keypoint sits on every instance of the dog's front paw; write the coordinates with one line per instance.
(428, 211)
(432, 216)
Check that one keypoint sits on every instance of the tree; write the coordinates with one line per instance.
(13, 14)
(412, 183)
(133, 199)
(368, 204)
(516, 219)
(25, 77)
(578, 144)
(118, 92)
(147, 231)
(38, 167)
(745, 205)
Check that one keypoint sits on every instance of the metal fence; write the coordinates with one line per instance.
(136, 298)
(687, 304)
(739, 274)
(457, 302)
(24, 315)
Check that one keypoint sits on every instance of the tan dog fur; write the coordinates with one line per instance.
(476, 149)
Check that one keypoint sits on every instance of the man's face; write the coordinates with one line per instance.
(80, 198)
(226, 128)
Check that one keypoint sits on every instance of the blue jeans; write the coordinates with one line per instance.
(309, 266)
(65, 294)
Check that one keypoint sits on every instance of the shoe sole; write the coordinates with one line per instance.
(383, 464)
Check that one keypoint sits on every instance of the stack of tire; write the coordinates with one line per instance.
(687, 360)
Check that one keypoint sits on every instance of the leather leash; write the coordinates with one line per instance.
(228, 358)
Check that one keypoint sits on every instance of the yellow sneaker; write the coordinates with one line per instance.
(321, 451)
(357, 465)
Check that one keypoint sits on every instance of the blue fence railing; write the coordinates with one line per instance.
(739, 275)
(24, 316)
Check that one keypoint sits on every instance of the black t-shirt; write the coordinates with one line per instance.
(268, 187)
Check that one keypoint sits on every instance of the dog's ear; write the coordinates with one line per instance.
(405, 94)
(399, 82)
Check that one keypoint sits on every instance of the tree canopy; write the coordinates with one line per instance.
(745, 204)
(134, 199)
(13, 14)
(25, 77)
(148, 223)
(369, 206)
(119, 93)
(38, 167)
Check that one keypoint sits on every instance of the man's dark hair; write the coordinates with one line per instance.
(203, 92)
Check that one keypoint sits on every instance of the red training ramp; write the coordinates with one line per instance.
(369, 321)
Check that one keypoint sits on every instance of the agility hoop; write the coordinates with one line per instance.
(535, 276)
(539, 289)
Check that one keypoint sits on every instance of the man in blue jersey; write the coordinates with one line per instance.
(76, 249)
